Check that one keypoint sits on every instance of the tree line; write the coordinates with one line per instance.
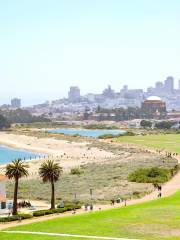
(7, 117)
(158, 125)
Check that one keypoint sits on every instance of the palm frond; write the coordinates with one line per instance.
(17, 169)
(50, 171)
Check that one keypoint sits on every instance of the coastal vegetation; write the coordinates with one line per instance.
(100, 126)
(151, 175)
(76, 171)
(125, 133)
(109, 179)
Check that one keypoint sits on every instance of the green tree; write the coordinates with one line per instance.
(50, 172)
(164, 125)
(16, 170)
(146, 124)
(4, 122)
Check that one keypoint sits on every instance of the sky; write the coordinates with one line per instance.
(46, 46)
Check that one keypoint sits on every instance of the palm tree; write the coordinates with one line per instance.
(50, 172)
(16, 170)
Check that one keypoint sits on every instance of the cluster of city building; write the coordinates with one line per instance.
(167, 98)
(75, 103)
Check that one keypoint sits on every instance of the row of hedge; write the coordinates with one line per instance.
(57, 210)
(20, 216)
(39, 213)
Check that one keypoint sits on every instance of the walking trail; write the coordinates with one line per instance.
(167, 189)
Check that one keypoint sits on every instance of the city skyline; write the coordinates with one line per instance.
(168, 86)
(48, 46)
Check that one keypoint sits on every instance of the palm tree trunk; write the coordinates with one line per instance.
(15, 197)
(52, 195)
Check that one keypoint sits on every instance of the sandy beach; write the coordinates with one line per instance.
(68, 154)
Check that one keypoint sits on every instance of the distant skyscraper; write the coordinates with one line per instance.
(159, 86)
(16, 103)
(125, 88)
(74, 94)
(108, 92)
(169, 84)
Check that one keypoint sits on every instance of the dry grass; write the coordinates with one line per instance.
(107, 179)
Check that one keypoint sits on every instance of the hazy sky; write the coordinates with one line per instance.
(48, 45)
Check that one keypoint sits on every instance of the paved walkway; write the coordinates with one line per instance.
(66, 235)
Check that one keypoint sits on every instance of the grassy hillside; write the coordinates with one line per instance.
(108, 180)
(159, 219)
(169, 142)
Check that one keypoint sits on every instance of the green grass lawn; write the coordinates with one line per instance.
(159, 219)
(9, 236)
(168, 142)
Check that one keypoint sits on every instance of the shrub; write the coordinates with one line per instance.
(70, 206)
(42, 212)
(25, 215)
(57, 210)
(150, 175)
(128, 133)
(175, 169)
(146, 124)
(16, 217)
(164, 125)
(76, 171)
(106, 136)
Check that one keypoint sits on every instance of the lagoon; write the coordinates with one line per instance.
(87, 132)
(8, 154)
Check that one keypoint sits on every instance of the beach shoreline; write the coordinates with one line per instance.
(68, 154)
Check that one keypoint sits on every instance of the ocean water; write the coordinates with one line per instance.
(87, 132)
(8, 154)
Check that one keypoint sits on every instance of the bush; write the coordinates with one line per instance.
(57, 210)
(25, 215)
(164, 125)
(70, 206)
(42, 212)
(16, 217)
(146, 124)
(175, 169)
(76, 171)
(150, 175)
(107, 136)
(128, 133)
